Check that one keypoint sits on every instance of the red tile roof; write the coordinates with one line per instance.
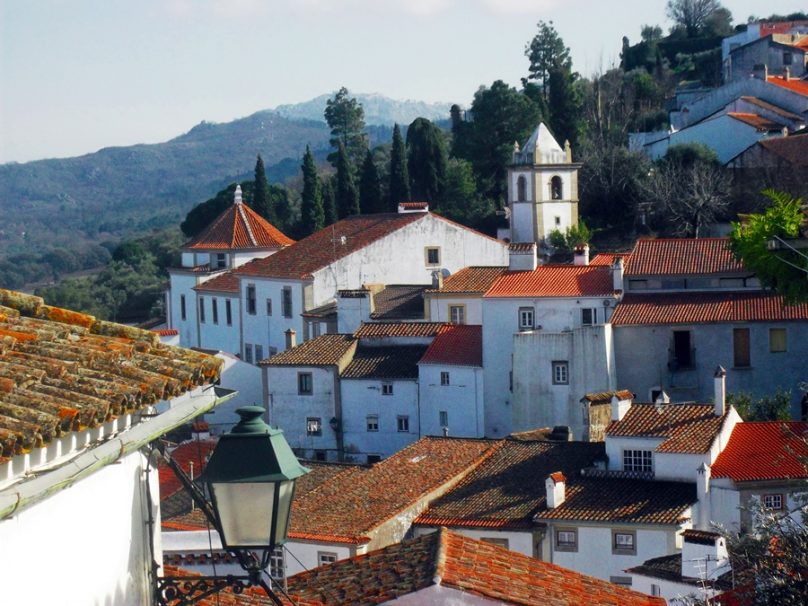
(239, 227)
(226, 282)
(792, 84)
(414, 205)
(792, 149)
(705, 307)
(554, 281)
(682, 257)
(381, 330)
(605, 397)
(685, 428)
(470, 280)
(609, 258)
(758, 122)
(456, 345)
(461, 563)
(196, 453)
(325, 350)
(167, 332)
(772, 108)
(772, 450)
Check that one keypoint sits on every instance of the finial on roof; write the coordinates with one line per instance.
(237, 196)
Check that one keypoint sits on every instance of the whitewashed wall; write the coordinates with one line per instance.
(518, 541)
(265, 330)
(439, 308)
(183, 284)
(220, 336)
(462, 400)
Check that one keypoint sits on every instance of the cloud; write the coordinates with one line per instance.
(535, 7)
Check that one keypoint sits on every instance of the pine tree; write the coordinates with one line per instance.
(329, 200)
(370, 191)
(262, 203)
(426, 160)
(347, 197)
(399, 176)
(346, 119)
(311, 206)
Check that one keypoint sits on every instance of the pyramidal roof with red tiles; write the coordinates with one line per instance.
(240, 227)
(456, 345)
(771, 450)
(554, 281)
(454, 561)
(682, 257)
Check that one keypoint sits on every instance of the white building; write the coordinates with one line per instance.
(458, 298)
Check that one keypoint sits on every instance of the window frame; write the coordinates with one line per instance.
(250, 299)
(387, 388)
(772, 496)
(259, 352)
(228, 312)
(445, 378)
(524, 314)
(287, 306)
(428, 253)
(314, 426)
(567, 545)
(556, 185)
(741, 347)
(560, 372)
(183, 314)
(624, 549)
(593, 319)
(459, 307)
(778, 330)
(372, 423)
(214, 307)
(201, 310)
(443, 418)
(248, 353)
(277, 562)
(403, 421)
(305, 383)
(638, 460)
(521, 188)
(324, 558)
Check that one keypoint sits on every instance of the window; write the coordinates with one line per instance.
(497, 542)
(740, 348)
(286, 301)
(637, 460)
(624, 542)
(314, 426)
(638, 284)
(202, 310)
(433, 255)
(269, 307)
(220, 261)
(561, 373)
(557, 221)
(556, 188)
(373, 422)
(251, 299)
(788, 58)
(656, 590)
(443, 418)
(182, 306)
(277, 567)
(326, 557)
(521, 189)
(777, 340)
(228, 312)
(589, 316)
(319, 455)
(371, 459)
(682, 351)
(566, 539)
(457, 314)
(773, 501)
(304, 386)
(403, 423)
(259, 353)
(444, 378)
(215, 307)
(387, 389)
(526, 318)
(624, 581)
(248, 351)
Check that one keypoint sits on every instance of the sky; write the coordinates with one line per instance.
(79, 75)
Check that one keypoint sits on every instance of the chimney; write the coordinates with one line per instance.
(445, 431)
(522, 256)
(617, 273)
(702, 494)
(620, 407)
(437, 279)
(786, 73)
(760, 71)
(581, 255)
(704, 555)
(413, 207)
(720, 386)
(291, 338)
(237, 195)
(555, 486)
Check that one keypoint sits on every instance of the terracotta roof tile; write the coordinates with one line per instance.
(354, 502)
(226, 282)
(773, 450)
(194, 453)
(608, 258)
(325, 350)
(554, 281)
(239, 227)
(507, 489)
(758, 122)
(682, 257)
(455, 561)
(414, 205)
(475, 279)
(685, 428)
(792, 149)
(381, 330)
(701, 537)
(792, 84)
(522, 247)
(705, 307)
(167, 332)
(669, 567)
(399, 302)
(618, 500)
(457, 345)
(605, 397)
(393, 362)
(62, 371)
(772, 108)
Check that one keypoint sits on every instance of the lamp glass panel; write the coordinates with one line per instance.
(285, 492)
(245, 512)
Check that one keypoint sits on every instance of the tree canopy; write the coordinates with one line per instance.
(426, 160)
(346, 119)
(399, 175)
(312, 215)
(370, 192)
(346, 195)
(262, 203)
(692, 15)
(545, 51)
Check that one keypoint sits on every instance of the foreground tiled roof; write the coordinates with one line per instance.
(759, 123)
(627, 501)
(351, 504)
(685, 428)
(62, 371)
(682, 257)
(239, 227)
(381, 330)
(555, 281)
(793, 149)
(475, 279)
(507, 489)
(226, 282)
(454, 561)
(772, 450)
(399, 302)
(705, 307)
(458, 345)
(608, 258)
(605, 397)
(393, 362)
(325, 350)
(329, 244)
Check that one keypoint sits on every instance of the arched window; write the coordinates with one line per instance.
(521, 189)
(556, 188)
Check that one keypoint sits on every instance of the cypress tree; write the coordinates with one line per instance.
(329, 200)
(370, 191)
(564, 104)
(262, 202)
(399, 177)
(346, 195)
(311, 205)
(426, 160)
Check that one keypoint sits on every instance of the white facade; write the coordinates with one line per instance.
(520, 541)
(220, 330)
(440, 307)
(454, 395)
(266, 328)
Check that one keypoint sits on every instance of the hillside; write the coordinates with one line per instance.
(379, 110)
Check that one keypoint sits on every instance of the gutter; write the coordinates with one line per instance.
(22, 496)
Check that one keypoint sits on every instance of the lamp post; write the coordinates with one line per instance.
(251, 481)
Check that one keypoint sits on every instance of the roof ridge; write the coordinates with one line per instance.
(440, 556)
(247, 225)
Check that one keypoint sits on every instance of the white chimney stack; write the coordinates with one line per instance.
(437, 279)
(237, 196)
(555, 486)
(581, 256)
(720, 391)
(291, 338)
(704, 555)
(617, 273)
(522, 256)
(620, 408)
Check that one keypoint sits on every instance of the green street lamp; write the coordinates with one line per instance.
(250, 478)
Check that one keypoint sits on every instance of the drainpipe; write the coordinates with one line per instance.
(338, 414)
